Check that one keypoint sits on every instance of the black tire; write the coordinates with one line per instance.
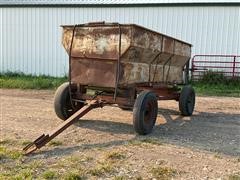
(145, 112)
(187, 101)
(62, 105)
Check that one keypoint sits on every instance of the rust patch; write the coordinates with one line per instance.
(95, 42)
(134, 73)
(139, 73)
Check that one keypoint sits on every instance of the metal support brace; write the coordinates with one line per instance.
(45, 138)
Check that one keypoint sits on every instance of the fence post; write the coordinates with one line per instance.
(192, 68)
(234, 66)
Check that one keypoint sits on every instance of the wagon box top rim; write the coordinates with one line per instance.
(97, 24)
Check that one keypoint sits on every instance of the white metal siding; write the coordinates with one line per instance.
(31, 36)
(1, 42)
(109, 2)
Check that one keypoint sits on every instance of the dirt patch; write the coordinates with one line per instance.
(205, 145)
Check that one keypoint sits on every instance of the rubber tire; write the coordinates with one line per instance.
(146, 102)
(187, 100)
(62, 104)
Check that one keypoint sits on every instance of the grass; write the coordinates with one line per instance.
(73, 176)
(6, 153)
(7, 142)
(205, 89)
(145, 141)
(152, 141)
(20, 170)
(163, 172)
(16, 166)
(55, 143)
(101, 169)
(25, 142)
(234, 176)
(212, 84)
(215, 84)
(49, 174)
(120, 178)
(19, 80)
(24, 174)
(115, 155)
(218, 156)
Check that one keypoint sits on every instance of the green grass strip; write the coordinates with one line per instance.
(202, 88)
(22, 81)
(229, 90)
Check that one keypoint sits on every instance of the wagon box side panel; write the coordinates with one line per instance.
(134, 73)
(160, 73)
(182, 54)
(145, 55)
(93, 72)
(95, 52)
(145, 45)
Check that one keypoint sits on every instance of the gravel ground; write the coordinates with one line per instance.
(203, 146)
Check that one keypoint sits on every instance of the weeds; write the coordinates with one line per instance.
(71, 162)
(217, 90)
(120, 178)
(19, 170)
(217, 84)
(152, 141)
(115, 155)
(234, 176)
(8, 142)
(22, 81)
(24, 174)
(55, 143)
(211, 77)
(102, 169)
(48, 174)
(7, 153)
(163, 172)
(218, 156)
(139, 142)
(25, 142)
(73, 176)
(211, 83)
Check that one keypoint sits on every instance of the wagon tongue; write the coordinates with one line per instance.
(37, 144)
(45, 138)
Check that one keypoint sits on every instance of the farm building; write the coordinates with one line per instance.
(30, 34)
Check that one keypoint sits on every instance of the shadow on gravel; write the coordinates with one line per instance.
(215, 132)
(106, 126)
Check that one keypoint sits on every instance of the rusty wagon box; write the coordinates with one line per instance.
(144, 55)
(120, 64)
